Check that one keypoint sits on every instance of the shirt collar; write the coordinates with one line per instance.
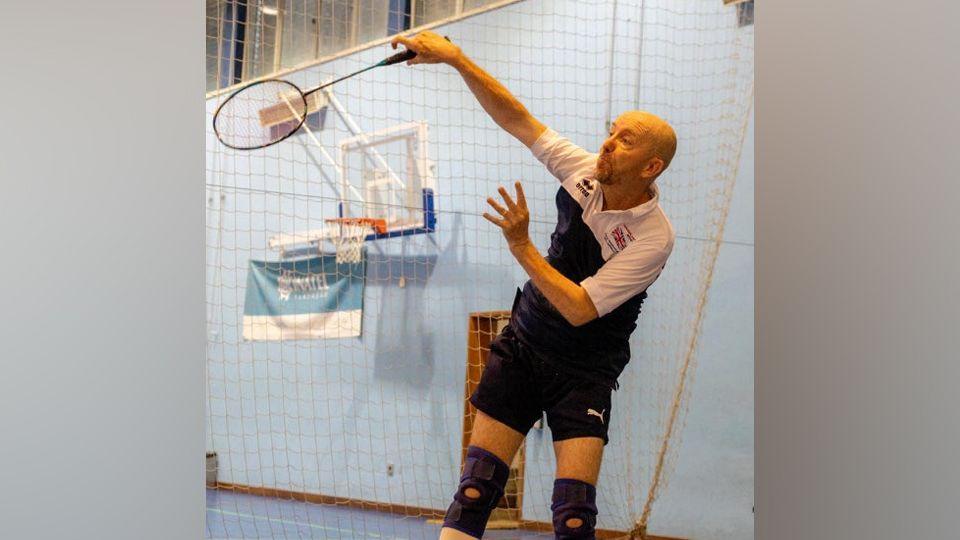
(637, 211)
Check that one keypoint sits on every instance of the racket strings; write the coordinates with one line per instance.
(260, 115)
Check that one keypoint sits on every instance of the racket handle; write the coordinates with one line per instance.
(402, 56)
(399, 57)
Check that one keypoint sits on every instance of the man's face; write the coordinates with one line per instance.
(627, 152)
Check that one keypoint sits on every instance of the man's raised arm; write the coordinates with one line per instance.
(499, 103)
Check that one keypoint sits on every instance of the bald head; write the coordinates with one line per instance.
(638, 149)
(655, 132)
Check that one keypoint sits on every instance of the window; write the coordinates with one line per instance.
(214, 16)
(745, 13)
(260, 33)
(372, 21)
(300, 31)
(428, 11)
(247, 39)
(399, 18)
(336, 20)
(222, 50)
(474, 4)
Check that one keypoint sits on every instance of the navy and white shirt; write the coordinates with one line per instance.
(613, 254)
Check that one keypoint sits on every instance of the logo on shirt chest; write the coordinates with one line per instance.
(618, 238)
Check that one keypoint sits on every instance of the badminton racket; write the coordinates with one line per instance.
(266, 112)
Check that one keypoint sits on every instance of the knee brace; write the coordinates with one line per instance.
(481, 486)
(573, 499)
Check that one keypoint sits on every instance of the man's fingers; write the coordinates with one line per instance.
(506, 197)
(521, 198)
(495, 221)
(405, 41)
(500, 210)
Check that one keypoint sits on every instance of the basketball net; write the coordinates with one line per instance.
(349, 241)
(350, 235)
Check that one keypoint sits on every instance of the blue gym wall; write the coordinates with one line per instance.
(327, 416)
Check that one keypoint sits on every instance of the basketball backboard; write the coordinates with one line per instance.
(388, 175)
(384, 176)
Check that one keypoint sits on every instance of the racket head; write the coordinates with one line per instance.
(260, 114)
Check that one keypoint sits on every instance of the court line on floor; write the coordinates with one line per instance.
(288, 522)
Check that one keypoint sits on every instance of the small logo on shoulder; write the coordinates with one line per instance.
(591, 412)
(583, 186)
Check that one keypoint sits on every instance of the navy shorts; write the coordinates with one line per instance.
(517, 387)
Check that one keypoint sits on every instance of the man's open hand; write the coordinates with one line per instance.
(431, 48)
(515, 217)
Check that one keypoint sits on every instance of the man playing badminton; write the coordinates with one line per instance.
(568, 337)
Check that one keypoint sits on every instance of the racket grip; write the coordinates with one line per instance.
(399, 57)
(402, 56)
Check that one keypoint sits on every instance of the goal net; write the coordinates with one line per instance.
(362, 432)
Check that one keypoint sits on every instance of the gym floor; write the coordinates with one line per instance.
(238, 515)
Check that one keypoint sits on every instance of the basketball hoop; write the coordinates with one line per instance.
(351, 233)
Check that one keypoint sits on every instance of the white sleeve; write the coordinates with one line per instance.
(562, 158)
(626, 274)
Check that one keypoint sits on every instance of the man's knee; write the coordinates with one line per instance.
(481, 486)
(574, 509)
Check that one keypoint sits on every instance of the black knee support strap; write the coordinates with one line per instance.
(487, 474)
(573, 499)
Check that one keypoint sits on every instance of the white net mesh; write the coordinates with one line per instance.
(361, 437)
(349, 239)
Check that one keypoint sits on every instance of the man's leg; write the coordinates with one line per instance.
(495, 437)
(492, 446)
(579, 458)
(574, 491)
(579, 416)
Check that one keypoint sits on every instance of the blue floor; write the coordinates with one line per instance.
(236, 515)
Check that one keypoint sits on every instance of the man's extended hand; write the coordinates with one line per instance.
(516, 218)
(431, 48)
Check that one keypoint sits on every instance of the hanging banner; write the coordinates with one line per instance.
(312, 298)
